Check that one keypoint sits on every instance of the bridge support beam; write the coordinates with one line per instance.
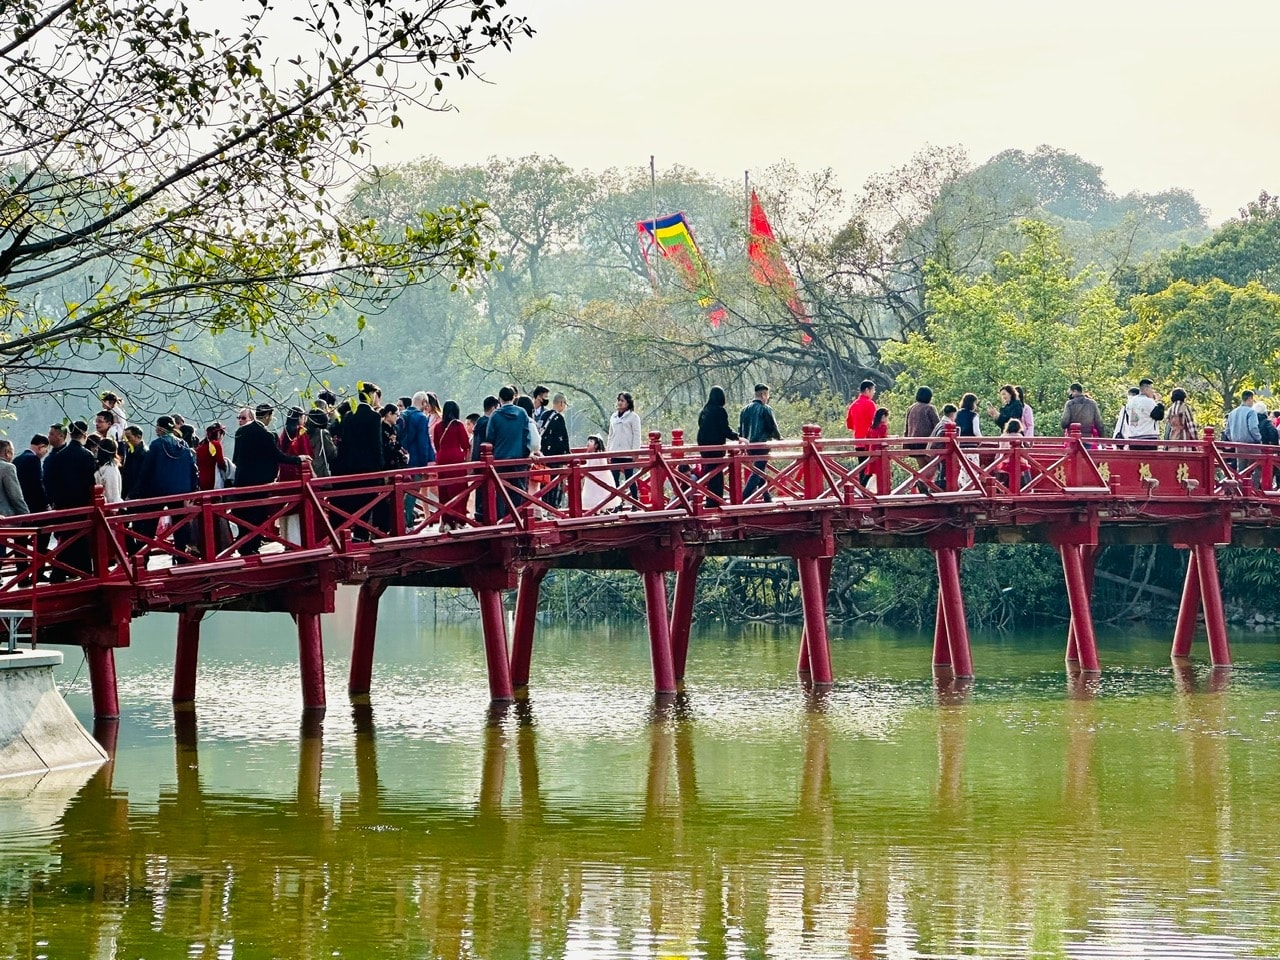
(655, 601)
(186, 657)
(1215, 618)
(102, 681)
(494, 623)
(682, 611)
(311, 660)
(1089, 561)
(1077, 580)
(941, 642)
(526, 620)
(815, 642)
(802, 662)
(1185, 631)
(951, 602)
(360, 676)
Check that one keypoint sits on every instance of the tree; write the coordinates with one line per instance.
(1242, 250)
(166, 179)
(1032, 321)
(1211, 333)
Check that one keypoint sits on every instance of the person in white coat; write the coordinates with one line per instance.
(624, 434)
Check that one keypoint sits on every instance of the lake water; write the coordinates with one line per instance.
(1024, 817)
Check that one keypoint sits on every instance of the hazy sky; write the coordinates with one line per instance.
(1159, 94)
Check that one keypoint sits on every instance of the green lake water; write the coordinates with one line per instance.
(1024, 817)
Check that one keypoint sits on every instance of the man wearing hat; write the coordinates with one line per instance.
(258, 457)
(111, 404)
(168, 469)
(68, 483)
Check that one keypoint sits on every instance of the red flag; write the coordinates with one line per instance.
(767, 266)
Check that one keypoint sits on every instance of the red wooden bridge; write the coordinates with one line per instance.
(85, 574)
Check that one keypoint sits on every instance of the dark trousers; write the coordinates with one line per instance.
(713, 470)
(756, 480)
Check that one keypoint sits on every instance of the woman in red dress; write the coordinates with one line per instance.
(449, 437)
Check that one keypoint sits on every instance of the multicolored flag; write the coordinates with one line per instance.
(769, 269)
(673, 237)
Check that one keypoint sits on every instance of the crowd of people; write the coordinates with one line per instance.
(1143, 416)
(61, 468)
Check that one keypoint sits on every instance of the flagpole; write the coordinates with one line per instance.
(653, 196)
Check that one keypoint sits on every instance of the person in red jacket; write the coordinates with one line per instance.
(210, 457)
(453, 445)
(862, 411)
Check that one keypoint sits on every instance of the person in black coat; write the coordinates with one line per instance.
(714, 431)
(68, 483)
(555, 443)
(31, 473)
(135, 457)
(360, 450)
(257, 457)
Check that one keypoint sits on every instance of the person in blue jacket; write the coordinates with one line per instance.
(168, 470)
(508, 432)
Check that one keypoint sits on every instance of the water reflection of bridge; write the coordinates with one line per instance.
(852, 862)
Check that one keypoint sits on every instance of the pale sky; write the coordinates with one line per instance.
(1159, 94)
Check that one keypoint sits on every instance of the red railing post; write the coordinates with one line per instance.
(1074, 444)
(306, 507)
(488, 489)
(1015, 465)
(811, 471)
(950, 458)
(575, 487)
(733, 465)
(399, 527)
(1208, 449)
(883, 468)
(657, 472)
(100, 535)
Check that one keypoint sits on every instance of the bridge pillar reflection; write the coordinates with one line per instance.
(360, 677)
(186, 656)
(526, 620)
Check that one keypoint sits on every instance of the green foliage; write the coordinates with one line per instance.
(162, 185)
(1030, 321)
(1212, 333)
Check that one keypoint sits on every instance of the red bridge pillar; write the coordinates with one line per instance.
(487, 583)
(102, 682)
(813, 596)
(311, 660)
(655, 602)
(951, 601)
(803, 662)
(1077, 580)
(1215, 619)
(99, 642)
(188, 653)
(360, 676)
(526, 619)
(1184, 633)
(682, 611)
(951, 630)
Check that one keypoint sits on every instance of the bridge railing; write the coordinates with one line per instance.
(123, 543)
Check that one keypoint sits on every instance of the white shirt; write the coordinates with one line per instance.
(1138, 417)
